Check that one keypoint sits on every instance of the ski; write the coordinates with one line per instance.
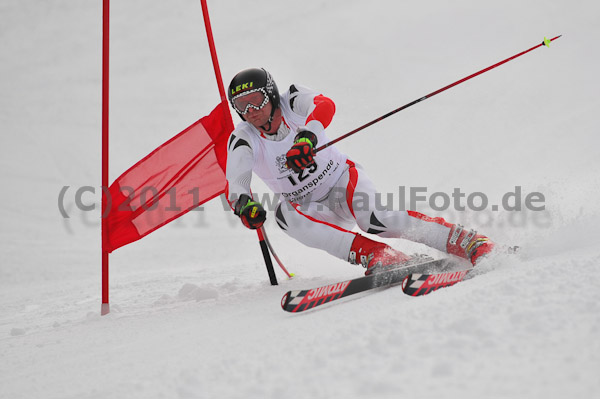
(423, 284)
(301, 300)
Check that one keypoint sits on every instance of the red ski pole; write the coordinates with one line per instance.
(546, 42)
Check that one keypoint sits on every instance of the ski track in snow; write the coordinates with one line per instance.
(192, 312)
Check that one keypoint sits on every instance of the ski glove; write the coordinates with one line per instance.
(252, 213)
(302, 153)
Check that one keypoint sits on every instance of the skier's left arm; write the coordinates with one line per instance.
(316, 108)
(319, 111)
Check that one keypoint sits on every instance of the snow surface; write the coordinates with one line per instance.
(192, 314)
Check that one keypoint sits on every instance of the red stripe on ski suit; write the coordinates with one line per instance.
(426, 218)
(312, 219)
(352, 180)
(349, 195)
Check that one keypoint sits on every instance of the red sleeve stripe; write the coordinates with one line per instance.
(323, 112)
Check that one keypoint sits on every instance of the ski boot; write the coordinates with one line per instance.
(468, 244)
(374, 256)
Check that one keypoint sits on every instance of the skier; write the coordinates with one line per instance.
(322, 195)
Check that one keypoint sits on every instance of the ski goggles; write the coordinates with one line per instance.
(255, 99)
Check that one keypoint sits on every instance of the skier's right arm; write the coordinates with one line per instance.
(240, 161)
